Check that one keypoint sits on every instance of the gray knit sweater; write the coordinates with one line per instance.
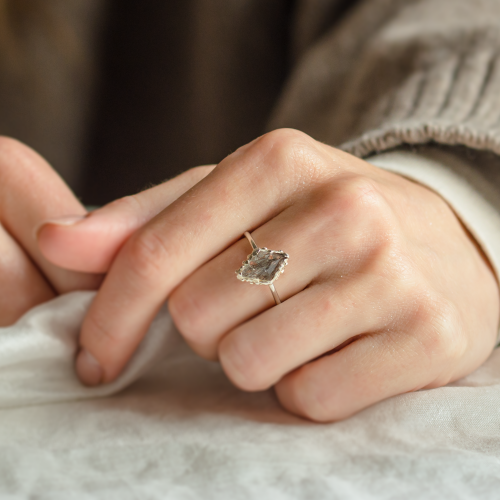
(401, 71)
(367, 76)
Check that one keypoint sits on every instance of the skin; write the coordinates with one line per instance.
(28, 278)
(385, 292)
(31, 194)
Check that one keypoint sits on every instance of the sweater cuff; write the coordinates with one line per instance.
(475, 201)
(454, 100)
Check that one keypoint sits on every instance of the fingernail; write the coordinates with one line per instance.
(70, 220)
(88, 368)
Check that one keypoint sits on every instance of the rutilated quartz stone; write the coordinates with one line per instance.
(263, 266)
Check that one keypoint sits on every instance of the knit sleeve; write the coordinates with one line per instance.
(400, 72)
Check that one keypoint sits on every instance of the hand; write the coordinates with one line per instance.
(31, 192)
(384, 293)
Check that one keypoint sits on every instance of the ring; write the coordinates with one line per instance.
(263, 267)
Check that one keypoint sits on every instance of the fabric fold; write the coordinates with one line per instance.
(37, 353)
(185, 432)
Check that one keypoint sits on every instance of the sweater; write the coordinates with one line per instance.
(125, 93)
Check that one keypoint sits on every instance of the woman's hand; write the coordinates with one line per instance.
(384, 293)
(31, 192)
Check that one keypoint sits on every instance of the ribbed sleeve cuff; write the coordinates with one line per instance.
(400, 72)
(453, 101)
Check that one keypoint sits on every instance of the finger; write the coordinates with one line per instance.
(258, 353)
(212, 301)
(326, 238)
(243, 192)
(373, 368)
(91, 244)
(21, 285)
(30, 192)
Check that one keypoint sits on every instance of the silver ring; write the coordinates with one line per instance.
(263, 267)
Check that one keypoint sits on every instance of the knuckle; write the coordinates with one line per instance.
(306, 399)
(283, 139)
(386, 259)
(243, 363)
(289, 152)
(188, 310)
(360, 194)
(146, 253)
(363, 222)
(442, 335)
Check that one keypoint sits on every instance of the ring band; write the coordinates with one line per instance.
(263, 267)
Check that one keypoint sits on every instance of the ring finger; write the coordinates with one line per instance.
(213, 301)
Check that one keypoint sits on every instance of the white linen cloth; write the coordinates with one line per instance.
(37, 353)
(184, 432)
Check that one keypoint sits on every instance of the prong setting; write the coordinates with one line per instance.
(263, 266)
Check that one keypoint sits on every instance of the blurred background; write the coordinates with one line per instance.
(121, 94)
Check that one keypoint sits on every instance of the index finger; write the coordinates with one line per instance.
(31, 192)
(248, 188)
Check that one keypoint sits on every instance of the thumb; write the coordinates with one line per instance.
(90, 243)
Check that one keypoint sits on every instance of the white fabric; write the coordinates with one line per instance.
(36, 354)
(184, 432)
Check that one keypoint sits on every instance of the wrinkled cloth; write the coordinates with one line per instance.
(37, 353)
(182, 431)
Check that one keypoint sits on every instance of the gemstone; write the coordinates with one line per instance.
(263, 266)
